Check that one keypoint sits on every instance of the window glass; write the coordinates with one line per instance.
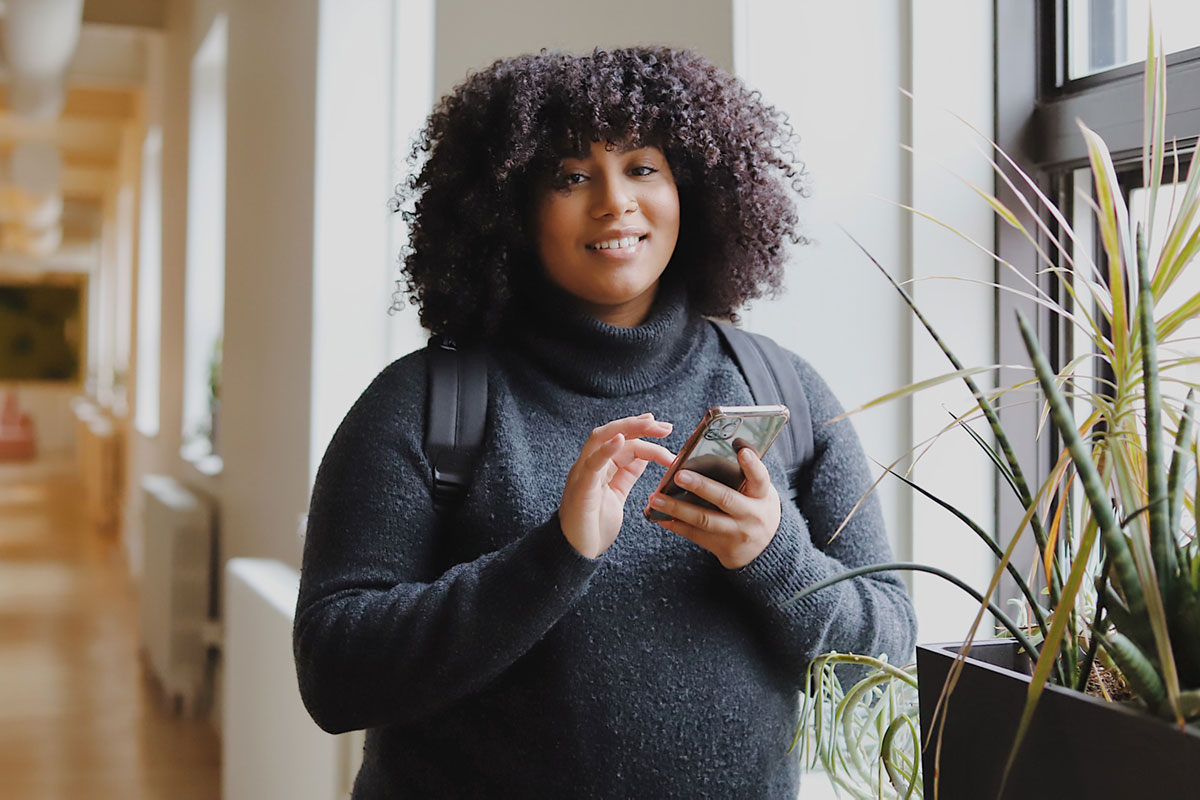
(149, 289)
(1105, 34)
(204, 319)
(1185, 342)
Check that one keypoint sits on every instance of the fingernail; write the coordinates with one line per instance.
(684, 478)
(657, 501)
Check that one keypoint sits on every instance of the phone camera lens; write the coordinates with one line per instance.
(723, 428)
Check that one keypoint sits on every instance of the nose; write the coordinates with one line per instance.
(614, 197)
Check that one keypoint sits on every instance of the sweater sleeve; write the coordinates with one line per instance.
(379, 636)
(868, 615)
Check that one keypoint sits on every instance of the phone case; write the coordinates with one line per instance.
(713, 446)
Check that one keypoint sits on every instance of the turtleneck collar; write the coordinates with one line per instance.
(604, 360)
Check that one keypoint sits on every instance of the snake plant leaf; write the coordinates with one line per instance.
(1136, 628)
(1162, 540)
(1137, 668)
(1185, 633)
(1175, 475)
(1133, 577)
(1089, 477)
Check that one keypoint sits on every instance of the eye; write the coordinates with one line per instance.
(566, 179)
(643, 171)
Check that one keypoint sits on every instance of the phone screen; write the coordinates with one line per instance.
(712, 449)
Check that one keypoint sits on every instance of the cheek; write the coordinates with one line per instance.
(667, 209)
(553, 230)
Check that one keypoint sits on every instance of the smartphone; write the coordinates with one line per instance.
(713, 447)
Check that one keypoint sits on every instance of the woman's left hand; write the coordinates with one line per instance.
(742, 524)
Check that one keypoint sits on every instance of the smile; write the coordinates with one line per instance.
(617, 244)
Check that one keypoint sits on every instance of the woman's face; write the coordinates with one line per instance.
(607, 227)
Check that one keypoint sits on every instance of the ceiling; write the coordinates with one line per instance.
(104, 86)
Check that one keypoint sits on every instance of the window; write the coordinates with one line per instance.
(1106, 34)
(1059, 62)
(205, 282)
(149, 290)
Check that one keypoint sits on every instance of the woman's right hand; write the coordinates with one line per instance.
(612, 459)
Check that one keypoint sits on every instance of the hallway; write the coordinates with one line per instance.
(78, 721)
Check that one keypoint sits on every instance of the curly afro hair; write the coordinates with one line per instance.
(496, 141)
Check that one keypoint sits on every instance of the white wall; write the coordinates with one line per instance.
(837, 70)
(472, 34)
(374, 89)
(270, 133)
(266, 382)
(952, 74)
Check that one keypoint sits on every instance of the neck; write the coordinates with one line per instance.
(629, 314)
(603, 357)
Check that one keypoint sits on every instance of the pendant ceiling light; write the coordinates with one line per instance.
(40, 36)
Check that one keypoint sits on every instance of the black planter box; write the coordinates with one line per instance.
(1077, 746)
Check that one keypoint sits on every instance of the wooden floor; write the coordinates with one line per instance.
(78, 719)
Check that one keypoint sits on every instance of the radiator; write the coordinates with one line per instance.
(270, 748)
(176, 588)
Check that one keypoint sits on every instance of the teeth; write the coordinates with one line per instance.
(616, 244)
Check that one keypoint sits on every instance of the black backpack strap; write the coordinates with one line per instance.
(456, 411)
(772, 379)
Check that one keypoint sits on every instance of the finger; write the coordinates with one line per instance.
(634, 450)
(693, 534)
(648, 451)
(624, 478)
(632, 428)
(598, 462)
(632, 461)
(705, 519)
(728, 500)
(758, 479)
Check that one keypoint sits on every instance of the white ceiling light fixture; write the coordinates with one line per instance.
(40, 36)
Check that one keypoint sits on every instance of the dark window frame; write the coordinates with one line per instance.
(1035, 113)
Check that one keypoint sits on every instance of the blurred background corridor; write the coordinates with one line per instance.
(197, 258)
(77, 719)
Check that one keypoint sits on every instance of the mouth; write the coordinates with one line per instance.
(624, 243)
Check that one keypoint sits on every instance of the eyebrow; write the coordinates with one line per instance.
(626, 147)
(630, 146)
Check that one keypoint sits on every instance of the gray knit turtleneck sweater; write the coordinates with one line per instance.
(487, 658)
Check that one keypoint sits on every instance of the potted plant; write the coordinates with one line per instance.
(865, 739)
(1041, 712)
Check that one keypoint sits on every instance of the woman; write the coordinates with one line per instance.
(578, 215)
